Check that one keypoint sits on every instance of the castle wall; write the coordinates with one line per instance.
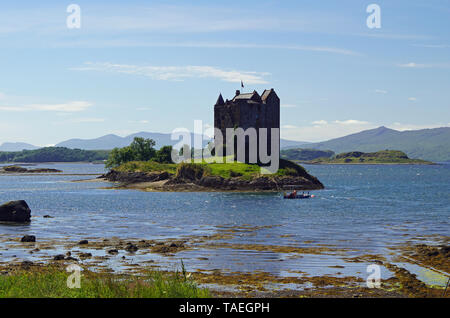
(246, 113)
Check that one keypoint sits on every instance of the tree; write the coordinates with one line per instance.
(164, 155)
(143, 148)
(139, 150)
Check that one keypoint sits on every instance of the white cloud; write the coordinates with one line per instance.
(412, 99)
(413, 65)
(209, 45)
(143, 108)
(429, 65)
(178, 73)
(231, 45)
(75, 106)
(402, 126)
(321, 130)
(381, 91)
(351, 122)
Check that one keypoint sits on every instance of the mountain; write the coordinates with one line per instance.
(427, 144)
(287, 144)
(105, 142)
(111, 141)
(16, 146)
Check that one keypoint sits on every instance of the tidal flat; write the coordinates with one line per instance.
(328, 271)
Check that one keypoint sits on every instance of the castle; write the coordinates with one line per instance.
(249, 110)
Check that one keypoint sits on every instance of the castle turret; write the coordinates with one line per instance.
(220, 100)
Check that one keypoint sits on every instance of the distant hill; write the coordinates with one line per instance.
(379, 157)
(54, 154)
(427, 144)
(16, 146)
(112, 141)
(305, 154)
(288, 144)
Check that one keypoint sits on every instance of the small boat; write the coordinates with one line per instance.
(298, 196)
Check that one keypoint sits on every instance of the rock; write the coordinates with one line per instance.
(131, 247)
(15, 211)
(44, 170)
(27, 263)
(262, 183)
(15, 169)
(83, 242)
(85, 255)
(445, 251)
(113, 251)
(161, 249)
(28, 238)
(177, 244)
(171, 247)
(59, 257)
(48, 216)
(211, 181)
(133, 177)
(70, 258)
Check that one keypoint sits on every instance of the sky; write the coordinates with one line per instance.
(159, 65)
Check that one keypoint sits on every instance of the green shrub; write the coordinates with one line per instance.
(191, 171)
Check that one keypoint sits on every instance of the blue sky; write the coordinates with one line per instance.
(158, 65)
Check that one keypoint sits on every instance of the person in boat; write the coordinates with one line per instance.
(293, 194)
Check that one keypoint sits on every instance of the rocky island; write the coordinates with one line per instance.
(18, 169)
(152, 176)
(379, 157)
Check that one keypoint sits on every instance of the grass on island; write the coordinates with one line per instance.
(209, 167)
(379, 157)
(51, 282)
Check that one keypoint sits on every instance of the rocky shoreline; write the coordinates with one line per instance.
(163, 181)
(137, 257)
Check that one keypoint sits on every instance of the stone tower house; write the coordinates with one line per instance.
(248, 110)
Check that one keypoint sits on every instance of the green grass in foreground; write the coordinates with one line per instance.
(52, 282)
(210, 168)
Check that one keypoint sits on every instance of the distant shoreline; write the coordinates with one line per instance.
(370, 164)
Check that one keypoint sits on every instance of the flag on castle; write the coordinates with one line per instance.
(242, 84)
